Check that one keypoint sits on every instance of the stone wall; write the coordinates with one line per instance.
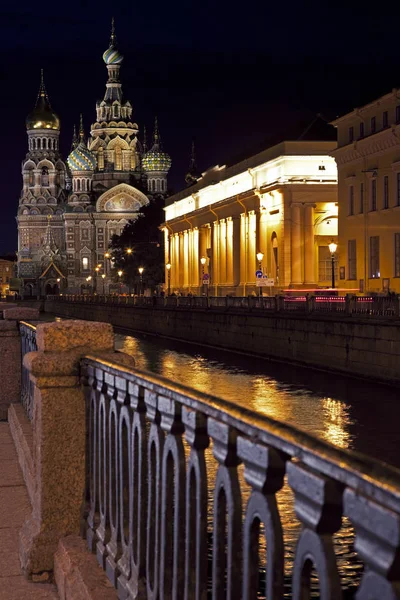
(367, 348)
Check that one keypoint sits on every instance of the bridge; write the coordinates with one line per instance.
(142, 488)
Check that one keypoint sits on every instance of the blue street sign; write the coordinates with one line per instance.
(259, 274)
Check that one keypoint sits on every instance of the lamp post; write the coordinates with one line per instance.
(103, 276)
(203, 261)
(141, 269)
(260, 257)
(168, 267)
(332, 249)
(120, 273)
(88, 279)
(58, 282)
(97, 269)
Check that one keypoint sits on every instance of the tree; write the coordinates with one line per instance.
(141, 245)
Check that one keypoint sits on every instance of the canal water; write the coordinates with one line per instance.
(350, 413)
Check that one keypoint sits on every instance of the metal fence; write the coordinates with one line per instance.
(28, 344)
(364, 306)
(168, 518)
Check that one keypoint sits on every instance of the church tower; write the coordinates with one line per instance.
(114, 141)
(43, 192)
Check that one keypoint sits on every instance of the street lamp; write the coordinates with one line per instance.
(203, 261)
(129, 251)
(88, 279)
(332, 249)
(120, 273)
(168, 267)
(141, 269)
(103, 276)
(58, 281)
(260, 257)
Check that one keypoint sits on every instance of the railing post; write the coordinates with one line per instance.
(59, 435)
(377, 543)
(318, 505)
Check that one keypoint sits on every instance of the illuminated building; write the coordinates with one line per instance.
(68, 211)
(281, 202)
(368, 161)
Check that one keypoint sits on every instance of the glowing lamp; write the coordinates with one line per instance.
(141, 269)
(260, 256)
(203, 260)
(332, 247)
(168, 266)
(120, 273)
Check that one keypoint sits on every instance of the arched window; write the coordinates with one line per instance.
(43, 143)
(158, 185)
(78, 185)
(45, 176)
(39, 144)
(31, 177)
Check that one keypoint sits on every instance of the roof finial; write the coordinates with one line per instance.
(113, 37)
(144, 140)
(81, 130)
(156, 134)
(42, 90)
(74, 139)
(193, 157)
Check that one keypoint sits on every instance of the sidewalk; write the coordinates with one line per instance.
(14, 509)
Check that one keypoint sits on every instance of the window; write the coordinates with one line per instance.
(385, 119)
(351, 200)
(361, 130)
(352, 259)
(386, 191)
(397, 254)
(361, 197)
(397, 113)
(325, 265)
(84, 234)
(374, 272)
(398, 189)
(351, 134)
(373, 124)
(85, 263)
(373, 194)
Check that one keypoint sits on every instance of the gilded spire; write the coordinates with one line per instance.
(81, 130)
(113, 37)
(144, 140)
(156, 134)
(42, 90)
(193, 158)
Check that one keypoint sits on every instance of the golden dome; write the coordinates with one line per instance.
(42, 116)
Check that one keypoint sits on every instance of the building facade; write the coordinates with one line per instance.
(281, 202)
(69, 210)
(368, 161)
(6, 275)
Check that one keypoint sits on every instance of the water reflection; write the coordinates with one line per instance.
(349, 413)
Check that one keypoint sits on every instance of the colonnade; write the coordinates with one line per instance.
(230, 246)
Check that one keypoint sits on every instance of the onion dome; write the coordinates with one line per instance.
(42, 116)
(155, 159)
(112, 56)
(81, 158)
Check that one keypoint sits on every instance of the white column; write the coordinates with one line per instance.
(222, 251)
(252, 250)
(186, 258)
(229, 251)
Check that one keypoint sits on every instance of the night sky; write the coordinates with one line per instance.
(232, 79)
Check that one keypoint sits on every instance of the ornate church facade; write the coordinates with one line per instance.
(69, 210)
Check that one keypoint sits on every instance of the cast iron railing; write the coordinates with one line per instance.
(182, 499)
(28, 344)
(365, 306)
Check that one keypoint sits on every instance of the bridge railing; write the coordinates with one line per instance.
(183, 488)
(369, 306)
(28, 344)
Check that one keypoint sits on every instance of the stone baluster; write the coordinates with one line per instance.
(264, 471)
(154, 454)
(172, 558)
(136, 586)
(226, 561)
(378, 545)
(318, 505)
(196, 506)
(59, 435)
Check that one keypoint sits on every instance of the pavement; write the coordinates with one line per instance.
(15, 508)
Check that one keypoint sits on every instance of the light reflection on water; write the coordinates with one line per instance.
(349, 413)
